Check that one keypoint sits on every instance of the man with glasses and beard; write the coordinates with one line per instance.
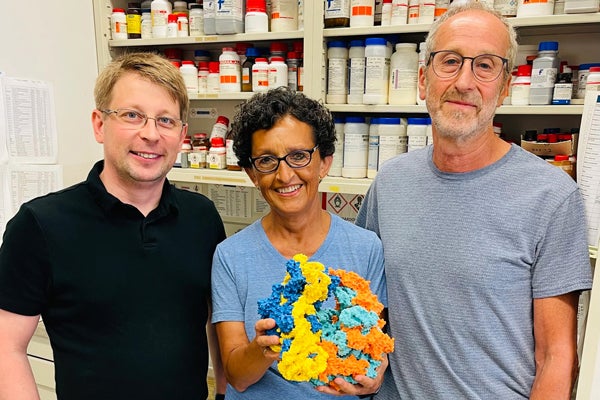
(485, 244)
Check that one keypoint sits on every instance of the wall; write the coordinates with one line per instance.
(54, 41)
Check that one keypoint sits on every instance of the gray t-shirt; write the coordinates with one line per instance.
(465, 254)
(246, 266)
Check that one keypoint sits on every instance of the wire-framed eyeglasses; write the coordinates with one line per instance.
(486, 67)
(295, 159)
(133, 119)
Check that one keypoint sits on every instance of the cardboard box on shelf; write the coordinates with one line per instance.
(568, 147)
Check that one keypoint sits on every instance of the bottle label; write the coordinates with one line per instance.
(543, 78)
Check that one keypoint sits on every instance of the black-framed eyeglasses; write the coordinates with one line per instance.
(295, 159)
(133, 119)
(486, 67)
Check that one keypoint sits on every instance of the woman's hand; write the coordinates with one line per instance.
(365, 385)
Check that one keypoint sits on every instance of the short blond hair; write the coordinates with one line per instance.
(150, 66)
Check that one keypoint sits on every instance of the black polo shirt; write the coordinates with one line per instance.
(123, 296)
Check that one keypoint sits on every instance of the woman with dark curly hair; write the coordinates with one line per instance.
(285, 143)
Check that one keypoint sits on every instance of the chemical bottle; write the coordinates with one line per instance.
(231, 159)
(337, 14)
(190, 76)
(172, 26)
(260, 75)
(373, 151)
(118, 24)
(256, 18)
(202, 77)
(362, 13)
(217, 155)
(182, 157)
(413, 11)
(196, 20)
(416, 131)
(543, 73)
(251, 55)
(386, 13)
(146, 24)
(592, 82)
(399, 12)
(160, 10)
(230, 71)
(521, 86)
(182, 26)
(421, 64)
(210, 12)
(201, 56)
(338, 155)
(197, 157)
(337, 66)
(376, 71)
(356, 77)
(392, 139)
(293, 61)
(180, 7)
(356, 147)
(229, 17)
(563, 88)
(284, 15)
(278, 73)
(403, 74)
(134, 21)
(426, 11)
(220, 128)
(277, 49)
(526, 8)
(213, 82)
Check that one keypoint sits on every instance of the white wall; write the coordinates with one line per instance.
(53, 41)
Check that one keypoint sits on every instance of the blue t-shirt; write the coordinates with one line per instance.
(246, 266)
(465, 255)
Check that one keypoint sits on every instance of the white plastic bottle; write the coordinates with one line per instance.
(356, 84)
(337, 67)
(413, 12)
(543, 73)
(426, 11)
(190, 76)
(278, 73)
(373, 152)
(338, 155)
(392, 139)
(260, 75)
(386, 13)
(416, 131)
(230, 71)
(219, 129)
(284, 15)
(146, 24)
(213, 81)
(229, 17)
(256, 18)
(118, 24)
(172, 26)
(376, 71)
(403, 74)
(520, 86)
(196, 20)
(203, 77)
(356, 147)
(160, 10)
(592, 82)
(210, 12)
(362, 13)
(182, 26)
(527, 8)
(399, 12)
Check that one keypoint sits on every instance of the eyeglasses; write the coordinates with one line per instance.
(132, 119)
(486, 67)
(295, 159)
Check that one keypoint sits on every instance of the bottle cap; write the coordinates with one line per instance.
(548, 46)
(594, 69)
(524, 70)
(278, 47)
(293, 55)
(117, 10)
(561, 157)
(213, 67)
(256, 6)
(217, 142)
(277, 58)
(172, 18)
(222, 120)
(203, 65)
(252, 52)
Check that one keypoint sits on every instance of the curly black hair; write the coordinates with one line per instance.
(264, 110)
